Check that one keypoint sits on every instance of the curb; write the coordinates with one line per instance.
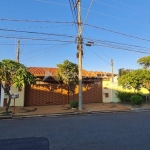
(73, 113)
(68, 114)
(6, 117)
(140, 109)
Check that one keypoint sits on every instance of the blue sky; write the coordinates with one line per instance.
(129, 17)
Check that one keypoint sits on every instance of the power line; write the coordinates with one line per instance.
(131, 6)
(52, 2)
(98, 47)
(99, 41)
(25, 44)
(34, 51)
(116, 32)
(88, 13)
(125, 47)
(40, 21)
(122, 48)
(74, 8)
(98, 56)
(106, 41)
(60, 31)
(116, 17)
(33, 32)
(104, 53)
(118, 45)
(121, 9)
(42, 27)
(43, 54)
(73, 14)
(41, 39)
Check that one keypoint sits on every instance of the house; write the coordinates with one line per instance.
(4, 97)
(97, 88)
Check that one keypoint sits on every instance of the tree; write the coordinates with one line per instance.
(68, 74)
(16, 74)
(144, 61)
(146, 80)
(123, 71)
(132, 79)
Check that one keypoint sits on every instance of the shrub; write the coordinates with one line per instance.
(73, 104)
(136, 100)
(125, 96)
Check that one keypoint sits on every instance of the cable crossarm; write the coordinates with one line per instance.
(99, 41)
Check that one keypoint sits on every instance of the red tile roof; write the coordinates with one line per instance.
(42, 71)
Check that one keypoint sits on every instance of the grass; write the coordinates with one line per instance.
(6, 113)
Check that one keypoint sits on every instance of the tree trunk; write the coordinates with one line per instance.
(9, 100)
(72, 95)
(7, 89)
(68, 95)
(149, 96)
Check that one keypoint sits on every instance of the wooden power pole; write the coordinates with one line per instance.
(80, 53)
(18, 52)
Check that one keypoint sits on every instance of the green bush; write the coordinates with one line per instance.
(136, 100)
(73, 104)
(125, 96)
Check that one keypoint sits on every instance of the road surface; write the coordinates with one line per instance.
(114, 131)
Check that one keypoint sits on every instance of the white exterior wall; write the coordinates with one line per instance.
(2, 97)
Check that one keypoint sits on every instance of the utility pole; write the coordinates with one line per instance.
(80, 53)
(18, 52)
(112, 70)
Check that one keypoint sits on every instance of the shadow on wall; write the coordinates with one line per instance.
(50, 94)
(116, 89)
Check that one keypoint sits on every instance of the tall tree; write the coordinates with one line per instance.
(144, 62)
(68, 74)
(16, 74)
(131, 80)
(123, 71)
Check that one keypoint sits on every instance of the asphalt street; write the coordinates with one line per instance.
(114, 131)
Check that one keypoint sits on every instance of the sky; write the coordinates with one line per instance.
(47, 43)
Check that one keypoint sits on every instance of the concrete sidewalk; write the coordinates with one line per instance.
(65, 109)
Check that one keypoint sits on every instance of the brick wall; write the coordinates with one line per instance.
(49, 94)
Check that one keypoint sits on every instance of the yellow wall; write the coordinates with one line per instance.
(116, 88)
(112, 88)
(19, 101)
(106, 89)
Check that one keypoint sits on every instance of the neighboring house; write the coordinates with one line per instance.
(19, 101)
(97, 88)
